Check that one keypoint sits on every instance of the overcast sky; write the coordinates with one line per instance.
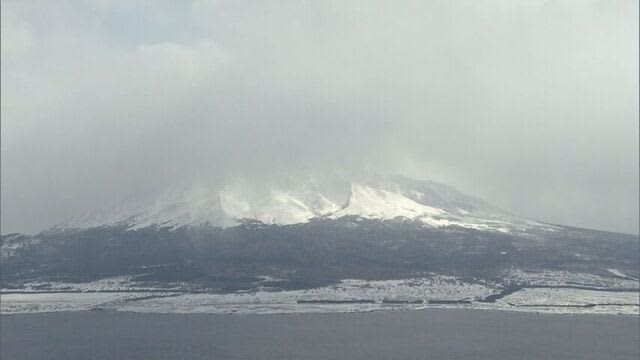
(531, 105)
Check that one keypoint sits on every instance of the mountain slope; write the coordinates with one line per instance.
(396, 198)
(383, 230)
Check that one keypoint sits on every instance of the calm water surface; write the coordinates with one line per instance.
(432, 334)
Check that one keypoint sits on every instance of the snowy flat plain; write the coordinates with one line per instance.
(559, 293)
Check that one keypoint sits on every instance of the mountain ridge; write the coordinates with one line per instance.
(383, 231)
(435, 204)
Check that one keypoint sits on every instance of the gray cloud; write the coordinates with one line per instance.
(531, 105)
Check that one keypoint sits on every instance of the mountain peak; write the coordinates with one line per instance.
(433, 204)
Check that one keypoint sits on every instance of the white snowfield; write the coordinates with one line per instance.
(229, 206)
(61, 301)
(559, 297)
(349, 295)
(560, 278)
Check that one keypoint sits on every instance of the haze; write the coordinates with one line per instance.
(531, 105)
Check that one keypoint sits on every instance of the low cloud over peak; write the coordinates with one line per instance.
(532, 106)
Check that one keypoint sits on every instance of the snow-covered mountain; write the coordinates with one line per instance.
(379, 229)
(390, 199)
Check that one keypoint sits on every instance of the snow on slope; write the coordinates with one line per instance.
(12, 243)
(374, 203)
(435, 205)
(278, 208)
(195, 207)
(224, 208)
(379, 203)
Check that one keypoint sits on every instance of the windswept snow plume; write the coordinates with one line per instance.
(278, 207)
(389, 199)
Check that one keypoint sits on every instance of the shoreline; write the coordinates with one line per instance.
(519, 310)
